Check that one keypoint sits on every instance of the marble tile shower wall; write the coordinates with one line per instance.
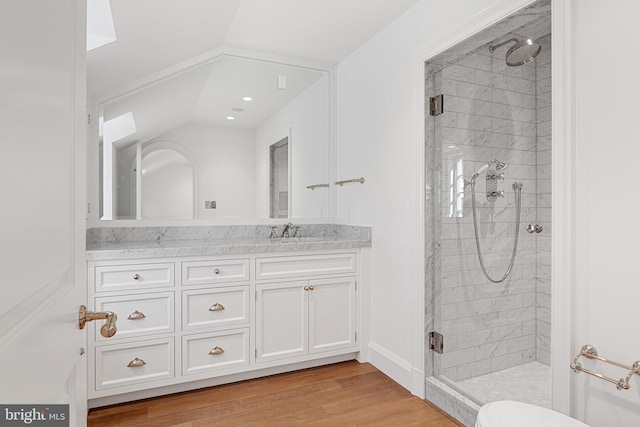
(543, 205)
(490, 113)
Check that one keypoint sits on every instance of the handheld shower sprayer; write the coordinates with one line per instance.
(499, 166)
(492, 194)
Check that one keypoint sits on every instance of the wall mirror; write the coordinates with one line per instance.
(200, 144)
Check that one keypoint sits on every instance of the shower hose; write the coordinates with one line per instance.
(517, 188)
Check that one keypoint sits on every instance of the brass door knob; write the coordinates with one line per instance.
(108, 329)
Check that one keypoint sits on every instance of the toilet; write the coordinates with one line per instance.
(507, 413)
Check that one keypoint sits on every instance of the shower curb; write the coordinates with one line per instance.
(452, 402)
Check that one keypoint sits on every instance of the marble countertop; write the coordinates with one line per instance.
(107, 250)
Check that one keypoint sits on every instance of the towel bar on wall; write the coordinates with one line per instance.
(590, 352)
(314, 186)
(348, 181)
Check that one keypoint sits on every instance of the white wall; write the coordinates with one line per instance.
(377, 140)
(308, 118)
(226, 163)
(607, 288)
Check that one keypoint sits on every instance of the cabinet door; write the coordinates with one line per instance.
(332, 314)
(281, 320)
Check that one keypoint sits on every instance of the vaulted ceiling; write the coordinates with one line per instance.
(155, 34)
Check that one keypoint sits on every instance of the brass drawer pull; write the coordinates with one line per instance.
(216, 350)
(216, 307)
(136, 363)
(136, 277)
(136, 315)
(217, 271)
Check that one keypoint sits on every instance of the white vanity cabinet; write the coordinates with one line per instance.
(189, 322)
(304, 317)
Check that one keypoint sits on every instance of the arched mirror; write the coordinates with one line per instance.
(157, 180)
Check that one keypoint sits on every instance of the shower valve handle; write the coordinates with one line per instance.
(495, 176)
(498, 193)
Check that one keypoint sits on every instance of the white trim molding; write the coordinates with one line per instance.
(394, 366)
(563, 202)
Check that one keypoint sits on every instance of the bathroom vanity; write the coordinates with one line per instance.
(195, 313)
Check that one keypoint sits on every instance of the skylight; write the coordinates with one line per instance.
(100, 28)
(118, 128)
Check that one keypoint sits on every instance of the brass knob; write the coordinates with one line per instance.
(306, 288)
(136, 277)
(216, 351)
(136, 363)
(216, 307)
(216, 271)
(311, 288)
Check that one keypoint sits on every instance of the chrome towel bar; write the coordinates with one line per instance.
(348, 181)
(314, 186)
(590, 352)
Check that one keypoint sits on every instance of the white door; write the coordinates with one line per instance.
(281, 320)
(42, 138)
(332, 314)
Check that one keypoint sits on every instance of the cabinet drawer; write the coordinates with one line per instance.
(215, 271)
(133, 277)
(215, 351)
(217, 307)
(126, 364)
(305, 265)
(138, 315)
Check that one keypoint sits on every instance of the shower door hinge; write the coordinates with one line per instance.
(436, 105)
(436, 342)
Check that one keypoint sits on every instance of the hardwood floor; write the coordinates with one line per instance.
(344, 394)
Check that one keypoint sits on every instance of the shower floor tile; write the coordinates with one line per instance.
(529, 383)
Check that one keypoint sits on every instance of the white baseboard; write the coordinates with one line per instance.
(394, 366)
(417, 386)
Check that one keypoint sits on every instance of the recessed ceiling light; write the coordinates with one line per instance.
(230, 118)
(247, 98)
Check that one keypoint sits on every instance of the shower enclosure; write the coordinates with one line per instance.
(488, 281)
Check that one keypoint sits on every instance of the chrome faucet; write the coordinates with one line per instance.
(285, 232)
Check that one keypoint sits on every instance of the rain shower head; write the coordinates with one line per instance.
(522, 52)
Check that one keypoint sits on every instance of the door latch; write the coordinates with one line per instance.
(108, 329)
